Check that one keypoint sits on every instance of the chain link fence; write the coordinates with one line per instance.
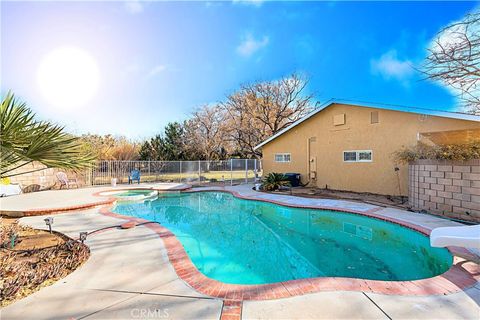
(233, 171)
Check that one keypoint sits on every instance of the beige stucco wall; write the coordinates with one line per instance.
(394, 130)
(37, 173)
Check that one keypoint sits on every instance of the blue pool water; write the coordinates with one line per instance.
(252, 242)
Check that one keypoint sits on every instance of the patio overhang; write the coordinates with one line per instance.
(451, 137)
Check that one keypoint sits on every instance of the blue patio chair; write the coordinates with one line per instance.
(134, 176)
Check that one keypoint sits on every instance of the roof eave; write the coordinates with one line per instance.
(296, 123)
(435, 113)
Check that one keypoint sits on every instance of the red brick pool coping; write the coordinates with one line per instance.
(42, 211)
(463, 274)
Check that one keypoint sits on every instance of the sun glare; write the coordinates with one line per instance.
(68, 77)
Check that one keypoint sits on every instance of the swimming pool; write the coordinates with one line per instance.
(251, 242)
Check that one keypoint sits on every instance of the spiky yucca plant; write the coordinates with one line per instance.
(274, 181)
(24, 140)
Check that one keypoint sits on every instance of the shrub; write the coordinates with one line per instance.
(23, 140)
(274, 181)
(455, 152)
(26, 271)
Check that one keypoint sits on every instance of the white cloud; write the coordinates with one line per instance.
(250, 45)
(136, 69)
(454, 34)
(132, 68)
(133, 7)
(157, 70)
(210, 4)
(449, 37)
(255, 3)
(390, 66)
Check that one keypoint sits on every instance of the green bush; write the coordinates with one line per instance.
(274, 181)
(454, 152)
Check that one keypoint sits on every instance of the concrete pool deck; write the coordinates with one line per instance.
(51, 201)
(129, 276)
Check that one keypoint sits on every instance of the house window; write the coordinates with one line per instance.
(365, 156)
(282, 157)
(357, 156)
(349, 156)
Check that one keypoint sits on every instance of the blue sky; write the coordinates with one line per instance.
(156, 62)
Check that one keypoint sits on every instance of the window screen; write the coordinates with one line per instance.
(365, 156)
(282, 157)
(349, 156)
(357, 156)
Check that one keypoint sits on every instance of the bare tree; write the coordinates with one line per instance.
(260, 110)
(247, 117)
(205, 132)
(454, 59)
(108, 147)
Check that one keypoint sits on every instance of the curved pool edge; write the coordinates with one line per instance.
(88, 204)
(55, 210)
(117, 194)
(461, 275)
(180, 188)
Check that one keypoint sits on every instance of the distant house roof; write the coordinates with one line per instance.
(437, 113)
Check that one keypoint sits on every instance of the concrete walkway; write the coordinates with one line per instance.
(128, 276)
(359, 305)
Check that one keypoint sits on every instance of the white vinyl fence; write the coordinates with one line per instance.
(233, 171)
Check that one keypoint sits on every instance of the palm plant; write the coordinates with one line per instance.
(24, 140)
(274, 181)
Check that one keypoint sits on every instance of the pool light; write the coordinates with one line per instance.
(83, 236)
(49, 222)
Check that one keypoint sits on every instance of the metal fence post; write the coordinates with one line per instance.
(149, 171)
(199, 173)
(246, 170)
(231, 172)
(180, 169)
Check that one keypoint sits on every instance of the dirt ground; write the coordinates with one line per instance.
(376, 199)
(37, 259)
(29, 238)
